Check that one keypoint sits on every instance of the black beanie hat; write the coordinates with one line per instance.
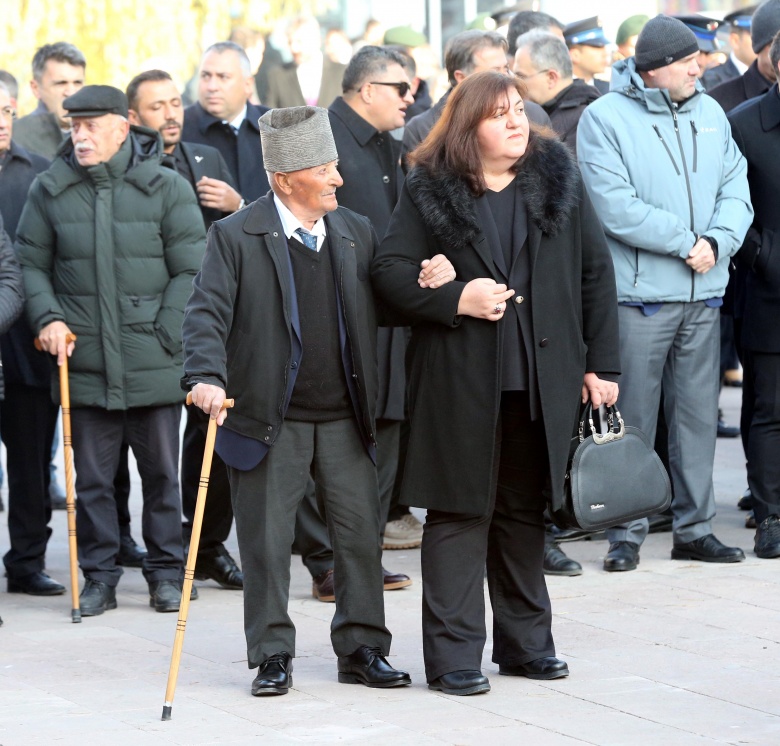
(765, 24)
(663, 40)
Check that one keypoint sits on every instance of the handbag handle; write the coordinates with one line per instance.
(614, 431)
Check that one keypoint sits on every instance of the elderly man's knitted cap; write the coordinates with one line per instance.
(766, 23)
(296, 138)
(662, 41)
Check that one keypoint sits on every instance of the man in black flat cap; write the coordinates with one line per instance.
(109, 242)
(588, 49)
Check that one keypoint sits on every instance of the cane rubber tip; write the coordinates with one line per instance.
(167, 712)
(75, 616)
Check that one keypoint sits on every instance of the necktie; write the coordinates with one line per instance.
(309, 240)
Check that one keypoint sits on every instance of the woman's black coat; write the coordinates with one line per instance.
(454, 361)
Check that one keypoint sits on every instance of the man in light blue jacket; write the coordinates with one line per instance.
(670, 188)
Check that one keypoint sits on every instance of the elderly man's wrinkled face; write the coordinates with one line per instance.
(311, 192)
(58, 81)
(679, 78)
(98, 139)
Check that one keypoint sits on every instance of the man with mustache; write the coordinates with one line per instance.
(155, 102)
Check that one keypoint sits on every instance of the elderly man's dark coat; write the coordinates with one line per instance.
(454, 361)
(736, 91)
(566, 109)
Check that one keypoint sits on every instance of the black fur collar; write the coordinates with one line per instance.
(548, 178)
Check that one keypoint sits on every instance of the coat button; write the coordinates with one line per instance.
(269, 428)
(352, 244)
(266, 438)
(276, 235)
(543, 342)
(386, 179)
(519, 299)
(294, 364)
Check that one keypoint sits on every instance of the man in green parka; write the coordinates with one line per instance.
(109, 241)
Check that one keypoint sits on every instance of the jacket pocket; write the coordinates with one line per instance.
(139, 312)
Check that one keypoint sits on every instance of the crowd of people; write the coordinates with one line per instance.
(409, 301)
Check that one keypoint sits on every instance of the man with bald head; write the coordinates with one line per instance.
(109, 242)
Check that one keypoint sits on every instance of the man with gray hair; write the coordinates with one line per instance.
(58, 72)
(282, 312)
(224, 118)
(468, 52)
(543, 63)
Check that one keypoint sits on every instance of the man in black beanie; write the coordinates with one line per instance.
(670, 188)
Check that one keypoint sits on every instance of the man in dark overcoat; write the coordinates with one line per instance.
(756, 129)
(282, 315)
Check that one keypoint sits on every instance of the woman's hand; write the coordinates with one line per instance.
(598, 390)
(436, 272)
(484, 298)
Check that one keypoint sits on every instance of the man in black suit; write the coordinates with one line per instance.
(155, 102)
(224, 119)
(756, 130)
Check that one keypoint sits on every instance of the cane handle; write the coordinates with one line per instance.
(69, 337)
(227, 404)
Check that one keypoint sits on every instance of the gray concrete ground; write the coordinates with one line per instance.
(675, 653)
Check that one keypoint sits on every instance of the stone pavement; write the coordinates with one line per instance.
(673, 654)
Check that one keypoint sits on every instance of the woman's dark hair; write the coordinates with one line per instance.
(451, 146)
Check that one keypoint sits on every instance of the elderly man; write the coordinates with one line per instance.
(282, 312)
(109, 242)
(543, 63)
(675, 207)
(58, 72)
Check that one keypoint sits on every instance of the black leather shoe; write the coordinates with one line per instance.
(274, 676)
(622, 556)
(541, 668)
(368, 666)
(165, 595)
(707, 549)
(557, 563)
(130, 554)
(746, 501)
(660, 523)
(724, 430)
(322, 587)
(395, 580)
(96, 598)
(767, 544)
(750, 520)
(35, 584)
(461, 683)
(220, 566)
(573, 534)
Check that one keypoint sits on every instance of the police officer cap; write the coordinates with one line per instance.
(704, 29)
(96, 101)
(587, 32)
(741, 18)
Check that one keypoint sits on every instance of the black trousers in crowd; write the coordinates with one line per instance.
(265, 503)
(509, 540)
(27, 421)
(153, 434)
(761, 386)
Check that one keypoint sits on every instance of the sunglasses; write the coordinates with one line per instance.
(403, 87)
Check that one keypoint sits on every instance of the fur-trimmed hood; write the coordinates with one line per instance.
(548, 178)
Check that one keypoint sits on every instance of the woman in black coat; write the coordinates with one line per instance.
(498, 364)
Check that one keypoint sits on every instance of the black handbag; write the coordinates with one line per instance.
(612, 477)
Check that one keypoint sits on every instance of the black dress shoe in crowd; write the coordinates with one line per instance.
(274, 676)
(165, 595)
(218, 565)
(622, 556)
(746, 501)
(541, 668)
(35, 584)
(96, 597)
(461, 683)
(660, 523)
(724, 430)
(395, 580)
(767, 544)
(322, 587)
(368, 666)
(557, 563)
(130, 554)
(707, 549)
(573, 534)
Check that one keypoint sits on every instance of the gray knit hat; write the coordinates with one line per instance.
(296, 138)
(766, 23)
(664, 40)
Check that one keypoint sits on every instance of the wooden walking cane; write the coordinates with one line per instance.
(70, 489)
(189, 571)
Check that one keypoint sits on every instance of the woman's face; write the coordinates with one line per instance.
(503, 136)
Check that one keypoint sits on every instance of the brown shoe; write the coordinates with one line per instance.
(395, 580)
(322, 587)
